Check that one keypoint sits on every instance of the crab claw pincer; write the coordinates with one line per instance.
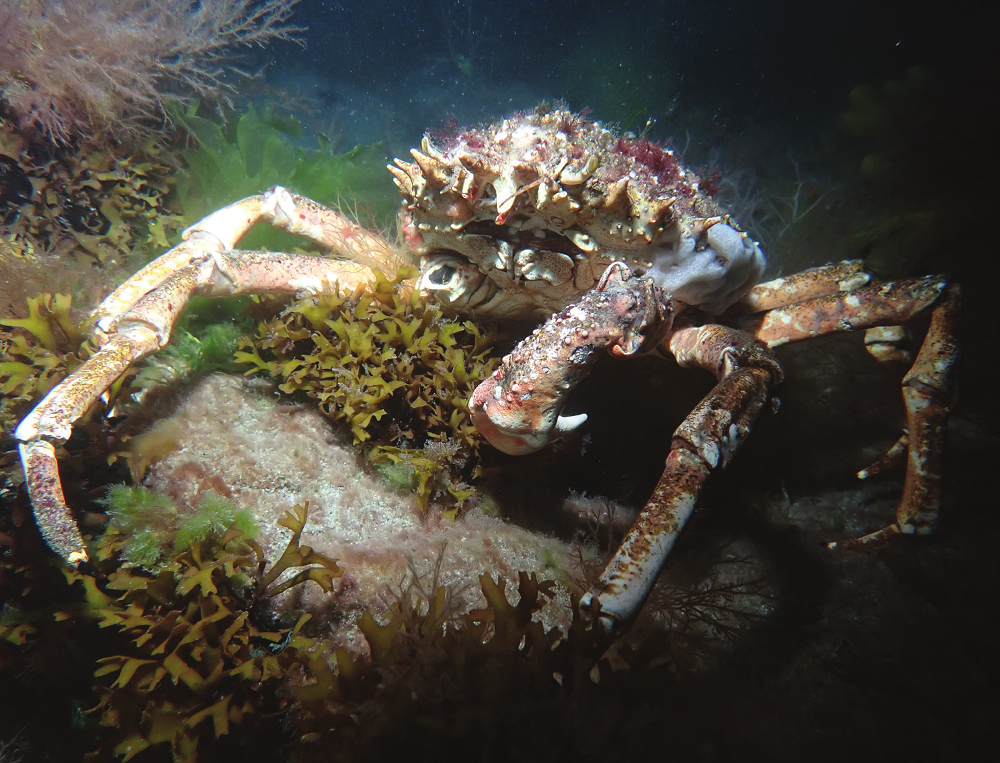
(518, 409)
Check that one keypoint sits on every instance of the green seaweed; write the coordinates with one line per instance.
(146, 527)
(250, 153)
(213, 516)
(139, 516)
(191, 355)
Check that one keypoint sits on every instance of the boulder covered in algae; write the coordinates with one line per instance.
(266, 457)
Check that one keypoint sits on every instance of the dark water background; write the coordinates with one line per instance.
(781, 64)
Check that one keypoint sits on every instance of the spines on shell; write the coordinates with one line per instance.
(432, 168)
(549, 179)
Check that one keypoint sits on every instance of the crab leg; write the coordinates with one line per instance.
(847, 275)
(517, 410)
(881, 309)
(706, 440)
(331, 230)
(142, 330)
(222, 229)
(138, 318)
(876, 305)
(886, 343)
(927, 392)
(219, 231)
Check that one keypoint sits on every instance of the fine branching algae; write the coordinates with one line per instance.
(145, 526)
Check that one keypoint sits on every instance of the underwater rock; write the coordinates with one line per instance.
(267, 457)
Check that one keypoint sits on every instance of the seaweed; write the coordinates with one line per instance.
(199, 664)
(73, 71)
(427, 471)
(37, 353)
(189, 663)
(392, 368)
(252, 152)
(184, 658)
(440, 683)
(88, 199)
(145, 525)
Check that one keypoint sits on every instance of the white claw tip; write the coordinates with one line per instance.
(569, 423)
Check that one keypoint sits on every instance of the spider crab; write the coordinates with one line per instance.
(549, 213)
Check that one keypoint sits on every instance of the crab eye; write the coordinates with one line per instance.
(441, 275)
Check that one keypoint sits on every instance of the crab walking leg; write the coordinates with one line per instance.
(880, 309)
(142, 330)
(706, 440)
(927, 392)
(891, 458)
(889, 344)
(222, 229)
(876, 305)
(843, 276)
(240, 272)
(217, 232)
(331, 230)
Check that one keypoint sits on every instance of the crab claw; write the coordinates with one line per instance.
(518, 409)
(515, 429)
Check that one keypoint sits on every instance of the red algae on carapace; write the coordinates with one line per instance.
(661, 161)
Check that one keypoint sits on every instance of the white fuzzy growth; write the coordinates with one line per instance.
(714, 277)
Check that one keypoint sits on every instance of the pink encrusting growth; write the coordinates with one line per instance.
(652, 155)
